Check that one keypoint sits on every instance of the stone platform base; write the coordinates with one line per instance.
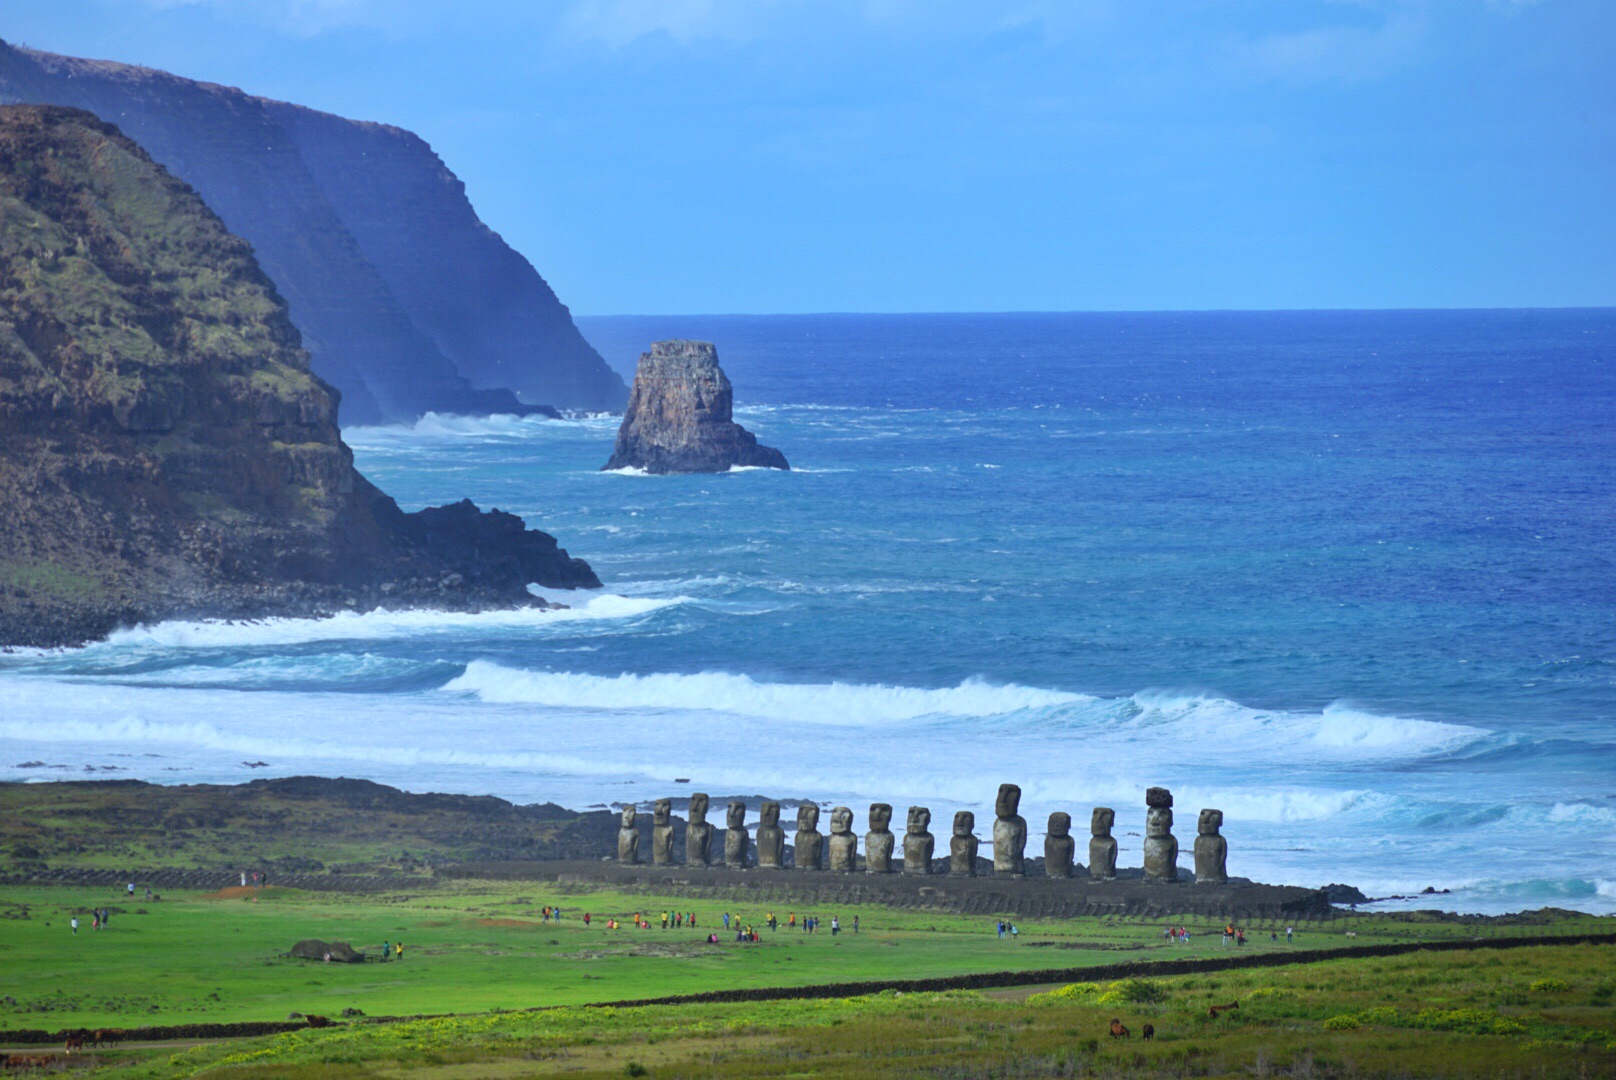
(987, 896)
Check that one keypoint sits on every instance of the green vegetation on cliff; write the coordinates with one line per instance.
(164, 448)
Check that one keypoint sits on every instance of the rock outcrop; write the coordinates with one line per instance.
(679, 416)
(165, 450)
(406, 301)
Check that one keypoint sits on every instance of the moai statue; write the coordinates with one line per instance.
(736, 838)
(628, 838)
(662, 834)
(918, 843)
(843, 844)
(1009, 833)
(1211, 850)
(1059, 847)
(810, 842)
(771, 838)
(879, 841)
(962, 845)
(1103, 847)
(1161, 848)
(698, 834)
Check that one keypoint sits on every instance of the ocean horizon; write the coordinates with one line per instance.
(1345, 575)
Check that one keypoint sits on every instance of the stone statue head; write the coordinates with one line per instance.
(807, 817)
(880, 816)
(630, 816)
(1159, 798)
(1060, 824)
(769, 814)
(841, 820)
(663, 814)
(919, 820)
(1158, 822)
(964, 823)
(1104, 817)
(698, 808)
(1008, 802)
(736, 815)
(1211, 821)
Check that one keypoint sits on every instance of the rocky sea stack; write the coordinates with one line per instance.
(165, 450)
(679, 416)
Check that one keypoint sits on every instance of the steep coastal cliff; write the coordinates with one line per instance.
(679, 416)
(405, 300)
(164, 448)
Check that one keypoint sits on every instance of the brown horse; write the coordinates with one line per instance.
(1216, 1009)
(1148, 1031)
(1118, 1031)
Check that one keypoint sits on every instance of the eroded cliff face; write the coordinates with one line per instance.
(405, 300)
(165, 449)
(679, 417)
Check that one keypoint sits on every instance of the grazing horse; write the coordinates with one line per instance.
(73, 1042)
(1149, 1032)
(319, 1021)
(1216, 1009)
(1118, 1031)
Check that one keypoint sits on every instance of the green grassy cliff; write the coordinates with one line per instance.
(164, 447)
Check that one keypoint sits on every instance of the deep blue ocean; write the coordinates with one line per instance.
(1350, 577)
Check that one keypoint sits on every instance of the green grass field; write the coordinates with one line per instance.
(1542, 1012)
(475, 947)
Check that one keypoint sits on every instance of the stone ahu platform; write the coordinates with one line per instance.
(1030, 897)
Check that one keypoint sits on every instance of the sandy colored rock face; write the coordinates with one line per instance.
(918, 843)
(628, 838)
(1009, 833)
(1103, 846)
(698, 833)
(963, 845)
(1059, 847)
(679, 416)
(843, 844)
(1211, 850)
(879, 841)
(809, 853)
(771, 838)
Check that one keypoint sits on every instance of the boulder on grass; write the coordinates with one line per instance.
(315, 949)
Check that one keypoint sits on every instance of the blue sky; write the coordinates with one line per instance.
(663, 156)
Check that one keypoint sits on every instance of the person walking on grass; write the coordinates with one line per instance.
(74, 923)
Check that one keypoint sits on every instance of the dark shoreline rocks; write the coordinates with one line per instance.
(679, 417)
(165, 451)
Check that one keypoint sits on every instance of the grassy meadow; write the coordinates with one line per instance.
(475, 947)
(1543, 1012)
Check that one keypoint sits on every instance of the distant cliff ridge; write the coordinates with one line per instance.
(165, 450)
(679, 417)
(406, 301)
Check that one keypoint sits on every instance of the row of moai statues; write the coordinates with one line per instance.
(839, 851)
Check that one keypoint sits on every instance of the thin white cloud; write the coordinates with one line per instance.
(1345, 53)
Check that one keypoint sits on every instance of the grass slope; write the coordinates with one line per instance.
(484, 946)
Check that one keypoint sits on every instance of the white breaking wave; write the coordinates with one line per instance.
(1338, 731)
(846, 704)
(382, 623)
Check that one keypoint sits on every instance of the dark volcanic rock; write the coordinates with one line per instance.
(679, 413)
(406, 301)
(315, 949)
(165, 450)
